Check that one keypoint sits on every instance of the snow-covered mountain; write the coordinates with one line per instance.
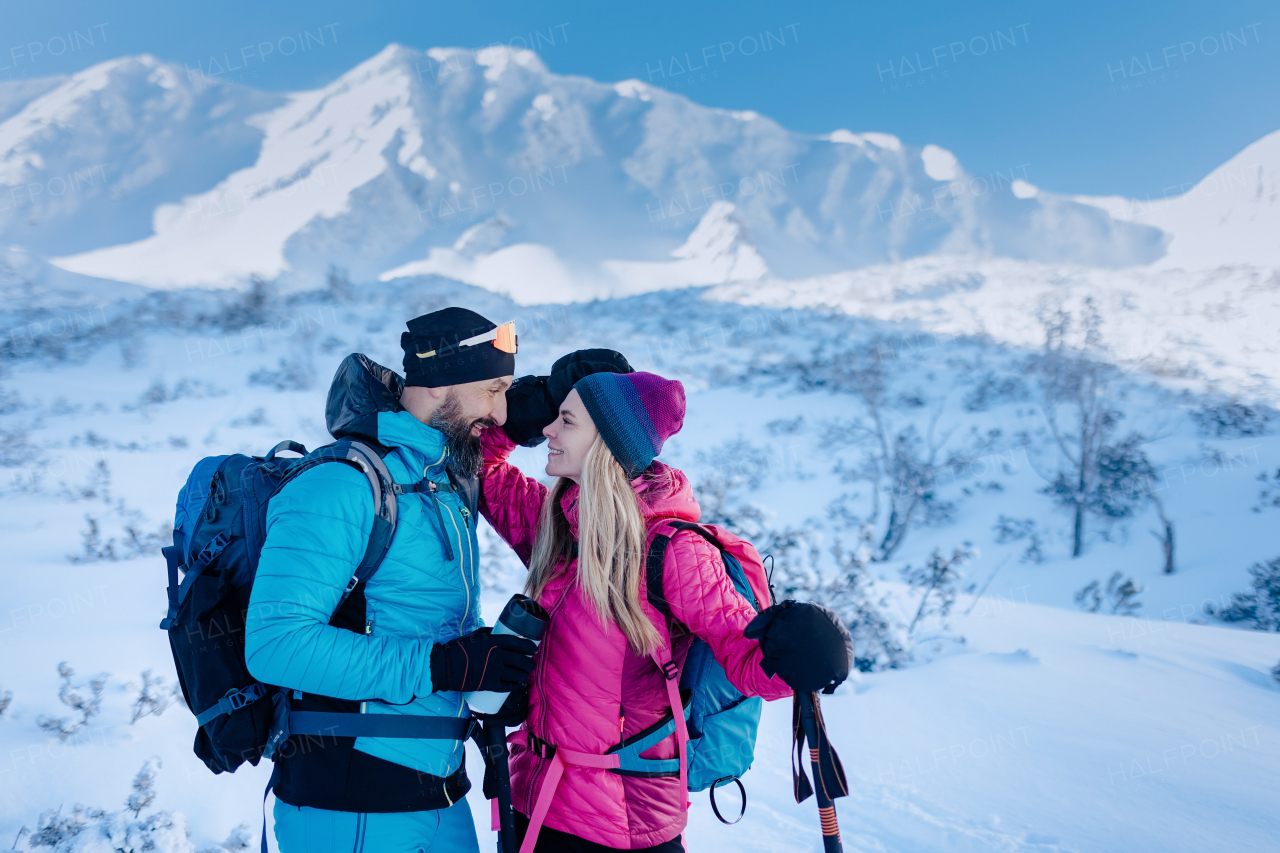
(87, 161)
(1232, 216)
(595, 187)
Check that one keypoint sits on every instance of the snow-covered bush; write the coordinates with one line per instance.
(237, 842)
(85, 705)
(937, 581)
(90, 830)
(1120, 595)
(134, 542)
(1232, 419)
(845, 586)
(293, 374)
(6, 699)
(1269, 496)
(15, 449)
(1275, 673)
(1259, 607)
(992, 390)
(500, 568)
(144, 787)
(1013, 529)
(153, 697)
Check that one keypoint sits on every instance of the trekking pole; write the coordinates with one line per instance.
(810, 719)
(495, 747)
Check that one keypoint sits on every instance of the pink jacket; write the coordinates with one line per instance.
(589, 690)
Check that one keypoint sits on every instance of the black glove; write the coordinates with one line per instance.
(568, 369)
(529, 409)
(803, 643)
(482, 661)
(534, 401)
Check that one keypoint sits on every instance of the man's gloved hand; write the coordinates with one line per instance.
(529, 409)
(804, 644)
(568, 369)
(482, 661)
(534, 401)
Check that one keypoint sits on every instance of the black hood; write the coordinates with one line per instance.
(361, 388)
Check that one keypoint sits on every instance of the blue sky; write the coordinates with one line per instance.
(1088, 97)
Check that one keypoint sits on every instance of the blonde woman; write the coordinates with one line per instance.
(597, 679)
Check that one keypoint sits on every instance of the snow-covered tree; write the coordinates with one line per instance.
(1125, 484)
(1075, 382)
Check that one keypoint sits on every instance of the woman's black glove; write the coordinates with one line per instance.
(568, 369)
(529, 409)
(534, 401)
(482, 661)
(805, 644)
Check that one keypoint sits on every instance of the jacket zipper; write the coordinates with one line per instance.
(462, 564)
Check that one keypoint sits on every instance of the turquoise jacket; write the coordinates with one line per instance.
(317, 530)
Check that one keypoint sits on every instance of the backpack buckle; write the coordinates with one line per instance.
(670, 670)
(541, 748)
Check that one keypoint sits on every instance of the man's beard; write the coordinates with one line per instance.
(465, 454)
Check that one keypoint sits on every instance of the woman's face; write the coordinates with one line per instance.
(569, 437)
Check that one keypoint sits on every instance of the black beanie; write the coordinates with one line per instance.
(445, 328)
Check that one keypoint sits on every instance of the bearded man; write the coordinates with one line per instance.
(408, 641)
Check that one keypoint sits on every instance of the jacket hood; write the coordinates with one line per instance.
(361, 389)
(664, 492)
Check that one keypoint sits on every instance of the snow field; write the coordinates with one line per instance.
(1046, 729)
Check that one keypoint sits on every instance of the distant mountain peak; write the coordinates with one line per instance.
(483, 165)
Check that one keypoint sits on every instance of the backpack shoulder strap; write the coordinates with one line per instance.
(657, 555)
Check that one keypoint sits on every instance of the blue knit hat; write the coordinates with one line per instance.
(635, 413)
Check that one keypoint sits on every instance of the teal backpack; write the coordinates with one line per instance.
(722, 722)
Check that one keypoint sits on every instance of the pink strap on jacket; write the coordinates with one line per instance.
(559, 756)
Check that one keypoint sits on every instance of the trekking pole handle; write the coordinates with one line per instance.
(826, 806)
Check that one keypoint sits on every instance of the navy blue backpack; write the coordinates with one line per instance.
(218, 532)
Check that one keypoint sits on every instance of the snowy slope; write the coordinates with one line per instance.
(1232, 216)
(1045, 730)
(1214, 326)
(404, 153)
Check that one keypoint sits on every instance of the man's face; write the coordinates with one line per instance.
(466, 411)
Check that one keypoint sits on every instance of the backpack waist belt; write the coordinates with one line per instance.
(341, 724)
(620, 761)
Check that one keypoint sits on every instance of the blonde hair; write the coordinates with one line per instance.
(611, 546)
